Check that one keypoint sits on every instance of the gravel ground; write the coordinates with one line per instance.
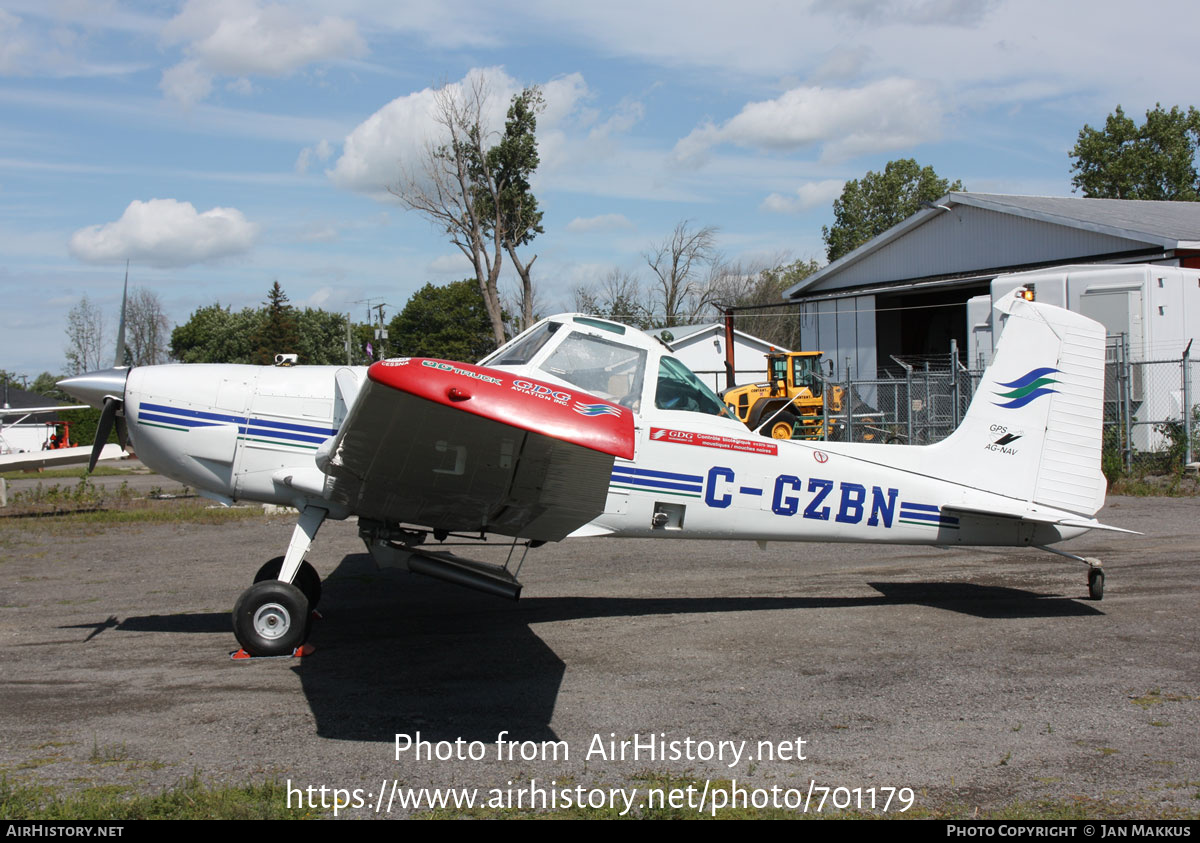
(978, 678)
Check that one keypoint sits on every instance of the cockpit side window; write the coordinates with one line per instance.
(608, 369)
(679, 389)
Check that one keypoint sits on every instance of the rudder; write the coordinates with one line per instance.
(1033, 430)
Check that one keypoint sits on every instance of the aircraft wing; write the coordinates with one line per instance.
(57, 457)
(463, 448)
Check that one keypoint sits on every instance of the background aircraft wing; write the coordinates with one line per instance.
(57, 458)
(465, 448)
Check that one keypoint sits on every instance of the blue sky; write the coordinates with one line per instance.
(222, 145)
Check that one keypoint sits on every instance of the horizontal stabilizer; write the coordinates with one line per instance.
(1035, 518)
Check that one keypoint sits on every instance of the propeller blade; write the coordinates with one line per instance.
(122, 433)
(103, 428)
(120, 357)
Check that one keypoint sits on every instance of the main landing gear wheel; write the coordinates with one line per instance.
(1096, 584)
(307, 579)
(271, 618)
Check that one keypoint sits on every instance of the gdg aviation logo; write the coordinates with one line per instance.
(540, 390)
(1028, 388)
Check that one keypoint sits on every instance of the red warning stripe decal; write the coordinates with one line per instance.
(711, 440)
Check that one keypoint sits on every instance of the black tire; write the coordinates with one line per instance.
(1096, 584)
(271, 618)
(783, 427)
(307, 579)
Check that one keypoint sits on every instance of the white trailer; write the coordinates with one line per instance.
(1156, 308)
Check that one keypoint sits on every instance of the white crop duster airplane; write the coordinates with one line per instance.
(584, 427)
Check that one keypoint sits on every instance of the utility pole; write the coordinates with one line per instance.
(381, 333)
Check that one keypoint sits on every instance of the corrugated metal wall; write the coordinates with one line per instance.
(968, 239)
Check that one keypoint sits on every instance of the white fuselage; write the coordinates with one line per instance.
(251, 432)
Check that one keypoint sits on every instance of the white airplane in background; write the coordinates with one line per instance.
(584, 427)
(51, 457)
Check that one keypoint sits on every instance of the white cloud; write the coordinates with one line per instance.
(808, 195)
(40, 45)
(604, 222)
(245, 37)
(186, 82)
(318, 298)
(393, 140)
(889, 114)
(165, 233)
(966, 13)
(323, 151)
(453, 264)
(14, 44)
(242, 86)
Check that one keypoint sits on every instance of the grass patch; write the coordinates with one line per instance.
(75, 473)
(130, 511)
(57, 497)
(188, 799)
(1155, 696)
(108, 754)
(1156, 486)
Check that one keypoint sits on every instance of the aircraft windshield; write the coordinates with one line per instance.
(522, 351)
(608, 369)
(679, 389)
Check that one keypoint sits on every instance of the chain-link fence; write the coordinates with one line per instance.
(918, 401)
(1150, 412)
(921, 400)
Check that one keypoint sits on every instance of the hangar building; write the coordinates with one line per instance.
(905, 292)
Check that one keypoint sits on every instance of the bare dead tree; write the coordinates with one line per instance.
(683, 290)
(85, 338)
(147, 330)
(618, 296)
(477, 191)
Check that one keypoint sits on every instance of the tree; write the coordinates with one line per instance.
(146, 329)
(321, 338)
(85, 339)
(449, 322)
(681, 292)
(1156, 160)
(617, 297)
(215, 334)
(765, 287)
(477, 192)
(870, 206)
(279, 333)
(47, 384)
(513, 161)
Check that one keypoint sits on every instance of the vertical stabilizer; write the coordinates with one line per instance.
(1033, 430)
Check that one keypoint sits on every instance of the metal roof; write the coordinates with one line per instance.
(1163, 225)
